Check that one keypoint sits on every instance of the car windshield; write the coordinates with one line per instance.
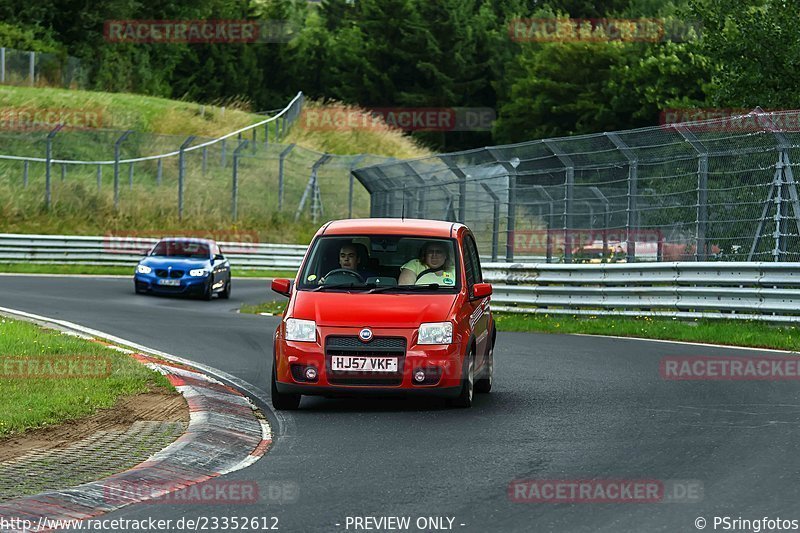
(189, 249)
(381, 263)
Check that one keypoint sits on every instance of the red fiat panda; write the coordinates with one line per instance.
(385, 306)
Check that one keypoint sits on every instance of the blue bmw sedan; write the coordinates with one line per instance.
(184, 266)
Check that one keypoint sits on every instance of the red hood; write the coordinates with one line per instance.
(373, 310)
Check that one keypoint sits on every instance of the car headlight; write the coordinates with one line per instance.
(143, 269)
(436, 333)
(199, 272)
(301, 330)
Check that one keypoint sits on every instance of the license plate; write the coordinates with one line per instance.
(351, 363)
(170, 282)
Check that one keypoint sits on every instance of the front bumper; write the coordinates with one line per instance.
(188, 284)
(442, 365)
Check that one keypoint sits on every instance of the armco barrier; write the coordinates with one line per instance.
(124, 251)
(740, 290)
(758, 291)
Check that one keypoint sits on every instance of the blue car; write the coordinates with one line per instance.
(184, 266)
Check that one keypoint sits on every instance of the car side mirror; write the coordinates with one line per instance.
(481, 290)
(282, 286)
(219, 257)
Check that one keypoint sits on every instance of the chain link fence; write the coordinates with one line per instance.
(20, 67)
(720, 189)
(249, 174)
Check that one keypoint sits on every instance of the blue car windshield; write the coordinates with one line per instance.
(188, 249)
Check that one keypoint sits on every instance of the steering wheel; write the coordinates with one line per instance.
(345, 271)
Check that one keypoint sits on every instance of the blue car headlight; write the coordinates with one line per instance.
(143, 269)
(199, 272)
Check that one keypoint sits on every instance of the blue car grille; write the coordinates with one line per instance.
(163, 273)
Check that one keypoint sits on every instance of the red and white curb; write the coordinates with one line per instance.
(224, 435)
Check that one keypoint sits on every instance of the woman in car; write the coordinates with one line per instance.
(433, 266)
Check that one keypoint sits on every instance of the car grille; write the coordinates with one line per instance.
(163, 273)
(379, 346)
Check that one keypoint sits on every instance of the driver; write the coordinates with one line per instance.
(434, 265)
(350, 259)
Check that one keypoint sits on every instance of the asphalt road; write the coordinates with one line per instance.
(564, 407)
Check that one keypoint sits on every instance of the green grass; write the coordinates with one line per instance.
(80, 207)
(32, 400)
(30, 268)
(730, 332)
(276, 307)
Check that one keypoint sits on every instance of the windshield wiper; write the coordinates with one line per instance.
(426, 287)
(340, 286)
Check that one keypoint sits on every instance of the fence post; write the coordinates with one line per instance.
(282, 156)
(633, 192)
(569, 184)
(48, 164)
(266, 134)
(205, 159)
(235, 185)
(2, 65)
(701, 252)
(223, 153)
(159, 171)
(312, 190)
(495, 219)
(255, 137)
(32, 67)
(353, 164)
(99, 176)
(116, 166)
(25, 174)
(182, 171)
(63, 171)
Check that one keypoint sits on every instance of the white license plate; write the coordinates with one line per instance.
(170, 282)
(352, 363)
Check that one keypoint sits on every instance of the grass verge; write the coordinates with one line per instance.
(729, 332)
(28, 268)
(749, 333)
(276, 307)
(48, 377)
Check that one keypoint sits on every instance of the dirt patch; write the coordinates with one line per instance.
(156, 405)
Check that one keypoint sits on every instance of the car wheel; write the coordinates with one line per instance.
(464, 398)
(137, 290)
(484, 384)
(280, 401)
(226, 292)
(209, 292)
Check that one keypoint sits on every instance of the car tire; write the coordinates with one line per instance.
(208, 293)
(484, 384)
(137, 290)
(464, 398)
(281, 401)
(226, 293)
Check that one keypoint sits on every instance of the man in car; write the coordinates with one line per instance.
(434, 265)
(350, 259)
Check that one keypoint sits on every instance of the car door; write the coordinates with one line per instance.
(220, 266)
(479, 316)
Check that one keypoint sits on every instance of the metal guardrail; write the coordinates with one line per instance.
(735, 290)
(125, 251)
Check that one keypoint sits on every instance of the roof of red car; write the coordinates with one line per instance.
(391, 226)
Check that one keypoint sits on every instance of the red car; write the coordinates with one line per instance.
(385, 306)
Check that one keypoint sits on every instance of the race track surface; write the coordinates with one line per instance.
(563, 407)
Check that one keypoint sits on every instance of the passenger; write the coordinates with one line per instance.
(434, 265)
